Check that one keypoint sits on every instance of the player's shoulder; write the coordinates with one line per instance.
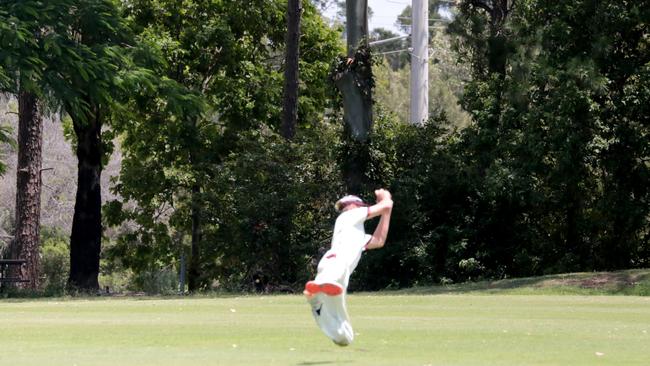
(353, 214)
(354, 211)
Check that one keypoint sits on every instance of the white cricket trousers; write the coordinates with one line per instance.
(330, 312)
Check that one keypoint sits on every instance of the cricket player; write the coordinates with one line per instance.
(326, 293)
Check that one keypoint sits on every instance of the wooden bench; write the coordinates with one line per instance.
(4, 264)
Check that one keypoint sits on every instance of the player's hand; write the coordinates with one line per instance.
(382, 194)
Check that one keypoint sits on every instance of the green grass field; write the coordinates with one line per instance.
(392, 329)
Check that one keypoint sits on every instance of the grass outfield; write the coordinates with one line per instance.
(392, 329)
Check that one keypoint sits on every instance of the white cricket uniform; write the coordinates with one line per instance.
(336, 266)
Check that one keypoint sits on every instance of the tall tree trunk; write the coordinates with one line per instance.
(291, 71)
(356, 13)
(194, 270)
(354, 164)
(353, 77)
(26, 241)
(86, 237)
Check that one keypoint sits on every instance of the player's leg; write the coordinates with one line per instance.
(331, 273)
(326, 295)
(332, 318)
(344, 334)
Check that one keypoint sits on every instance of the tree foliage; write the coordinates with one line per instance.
(221, 68)
(550, 174)
(544, 135)
(274, 210)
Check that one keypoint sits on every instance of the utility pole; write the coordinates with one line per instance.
(420, 62)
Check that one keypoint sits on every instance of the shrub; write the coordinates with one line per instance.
(55, 261)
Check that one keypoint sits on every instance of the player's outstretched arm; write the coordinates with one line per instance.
(383, 207)
(384, 204)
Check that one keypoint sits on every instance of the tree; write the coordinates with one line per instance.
(484, 39)
(291, 71)
(483, 27)
(353, 78)
(273, 199)
(209, 51)
(220, 67)
(353, 75)
(28, 188)
(72, 60)
(587, 88)
(24, 61)
(96, 36)
(544, 129)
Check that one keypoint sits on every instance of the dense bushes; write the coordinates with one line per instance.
(266, 213)
(269, 213)
(271, 210)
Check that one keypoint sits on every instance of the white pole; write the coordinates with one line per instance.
(420, 62)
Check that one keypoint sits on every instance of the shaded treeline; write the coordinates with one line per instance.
(551, 175)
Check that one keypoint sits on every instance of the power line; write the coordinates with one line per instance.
(396, 51)
(434, 20)
(387, 40)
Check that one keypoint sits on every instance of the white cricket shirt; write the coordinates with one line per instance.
(350, 238)
(348, 242)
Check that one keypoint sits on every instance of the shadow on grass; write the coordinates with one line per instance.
(629, 282)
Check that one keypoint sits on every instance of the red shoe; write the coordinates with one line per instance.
(329, 289)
